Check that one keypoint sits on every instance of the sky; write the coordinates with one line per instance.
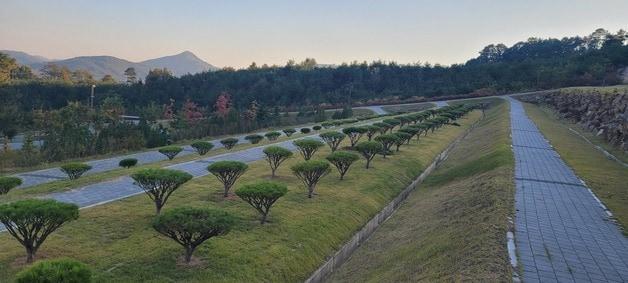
(235, 33)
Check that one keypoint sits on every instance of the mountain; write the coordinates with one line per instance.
(180, 64)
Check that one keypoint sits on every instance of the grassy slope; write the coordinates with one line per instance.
(117, 241)
(453, 227)
(607, 178)
(408, 108)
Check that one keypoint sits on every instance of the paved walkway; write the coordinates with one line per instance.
(562, 232)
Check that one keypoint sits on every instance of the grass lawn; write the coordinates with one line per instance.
(607, 178)
(408, 107)
(117, 241)
(453, 227)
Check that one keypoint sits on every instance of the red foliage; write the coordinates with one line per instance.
(223, 105)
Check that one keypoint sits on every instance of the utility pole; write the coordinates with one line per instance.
(91, 101)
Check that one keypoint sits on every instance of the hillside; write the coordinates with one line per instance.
(180, 64)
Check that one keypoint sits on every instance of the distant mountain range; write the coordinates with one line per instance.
(180, 64)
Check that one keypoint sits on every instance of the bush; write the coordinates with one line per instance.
(202, 147)
(75, 170)
(327, 125)
(190, 227)
(227, 172)
(368, 150)
(254, 139)
(275, 155)
(262, 196)
(310, 172)
(333, 139)
(342, 160)
(170, 151)
(305, 130)
(159, 183)
(307, 147)
(127, 162)
(271, 136)
(316, 128)
(8, 183)
(31, 221)
(354, 133)
(57, 271)
(229, 143)
(289, 132)
(387, 141)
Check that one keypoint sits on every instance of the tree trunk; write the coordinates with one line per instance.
(263, 220)
(188, 254)
(273, 172)
(310, 191)
(368, 162)
(158, 206)
(30, 254)
(226, 194)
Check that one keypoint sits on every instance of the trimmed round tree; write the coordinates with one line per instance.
(310, 172)
(75, 170)
(327, 125)
(371, 131)
(127, 163)
(289, 132)
(307, 147)
(387, 142)
(402, 138)
(333, 139)
(369, 149)
(305, 130)
(262, 195)
(31, 221)
(229, 143)
(190, 227)
(411, 130)
(170, 151)
(383, 127)
(202, 147)
(56, 270)
(159, 184)
(8, 183)
(254, 139)
(272, 136)
(342, 160)
(227, 172)
(275, 155)
(354, 134)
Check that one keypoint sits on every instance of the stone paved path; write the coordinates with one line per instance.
(562, 232)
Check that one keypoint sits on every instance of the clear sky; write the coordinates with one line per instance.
(236, 33)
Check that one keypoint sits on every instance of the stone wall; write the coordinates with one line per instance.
(603, 111)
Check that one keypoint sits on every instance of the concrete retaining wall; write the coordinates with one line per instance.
(345, 252)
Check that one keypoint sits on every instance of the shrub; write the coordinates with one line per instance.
(327, 125)
(75, 170)
(271, 136)
(354, 133)
(202, 147)
(275, 155)
(159, 184)
(333, 139)
(262, 196)
(32, 221)
(227, 172)
(342, 160)
(289, 132)
(387, 141)
(317, 128)
(127, 162)
(229, 143)
(170, 151)
(402, 138)
(57, 271)
(307, 147)
(190, 227)
(305, 130)
(254, 139)
(310, 172)
(368, 150)
(8, 183)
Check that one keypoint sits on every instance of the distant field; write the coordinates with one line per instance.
(607, 178)
(408, 107)
(453, 227)
(117, 241)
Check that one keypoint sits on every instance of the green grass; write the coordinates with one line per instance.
(607, 178)
(453, 227)
(117, 241)
(409, 107)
